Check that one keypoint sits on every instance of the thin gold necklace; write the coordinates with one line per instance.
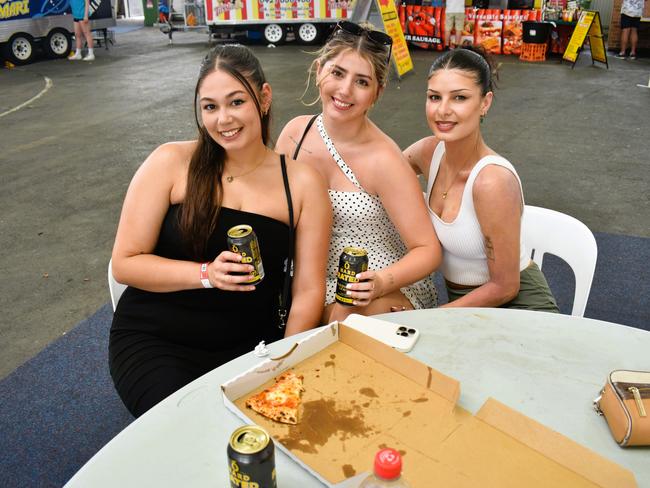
(444, 193)
(230, 178)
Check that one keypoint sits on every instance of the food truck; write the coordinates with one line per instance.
(271, 20)
(26, 24)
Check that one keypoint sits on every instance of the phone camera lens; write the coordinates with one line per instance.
(411, 331)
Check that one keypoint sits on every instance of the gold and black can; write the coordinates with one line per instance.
(353, 260)
(251, 458)
(243, 241)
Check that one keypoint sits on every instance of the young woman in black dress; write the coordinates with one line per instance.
(187, 308)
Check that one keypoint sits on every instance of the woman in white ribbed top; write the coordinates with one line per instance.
(474, 196)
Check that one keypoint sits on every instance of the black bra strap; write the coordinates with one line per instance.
(284, 298)
(309, 124)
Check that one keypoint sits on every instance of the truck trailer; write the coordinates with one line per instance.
(270, 20)
(26, 24)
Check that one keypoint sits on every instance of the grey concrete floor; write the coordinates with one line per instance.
(579, 138)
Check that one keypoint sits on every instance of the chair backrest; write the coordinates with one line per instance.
(114, 287)
(547, 231)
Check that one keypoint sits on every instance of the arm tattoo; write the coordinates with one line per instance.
(302, 148)
(489, 248)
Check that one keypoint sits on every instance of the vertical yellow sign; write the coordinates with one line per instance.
(597, 41)
(588, 25)
(392, 27)
(579, 35)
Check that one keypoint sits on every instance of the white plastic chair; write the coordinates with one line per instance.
(547, 231)
(114, 287)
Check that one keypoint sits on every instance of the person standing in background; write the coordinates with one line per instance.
(80, 15)
(631, 11)
(454, 18)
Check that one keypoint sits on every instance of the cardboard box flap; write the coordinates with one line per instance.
(420, 373)
(271, 367)
(555, 446)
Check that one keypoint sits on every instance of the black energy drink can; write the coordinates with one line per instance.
(243, 241)
(251, 458)
(353, 260)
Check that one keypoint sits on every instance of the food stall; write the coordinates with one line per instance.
(500, 29)
(270, 20)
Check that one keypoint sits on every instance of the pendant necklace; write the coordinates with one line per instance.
(230, 178)
(444, 193)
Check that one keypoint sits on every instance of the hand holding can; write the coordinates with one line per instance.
(228, 272)
(243, 241)
(353, 261)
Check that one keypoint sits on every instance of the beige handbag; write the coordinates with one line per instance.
(625, 403)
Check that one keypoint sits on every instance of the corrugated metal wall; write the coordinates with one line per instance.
(605, 9)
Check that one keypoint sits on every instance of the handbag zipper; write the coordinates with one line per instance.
(619, 396)
(637, 398)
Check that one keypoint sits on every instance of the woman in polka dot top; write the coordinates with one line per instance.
(376, 198)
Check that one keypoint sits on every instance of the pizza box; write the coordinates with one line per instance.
(362, 395)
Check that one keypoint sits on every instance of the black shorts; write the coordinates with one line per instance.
(627, 22)
(77, 20)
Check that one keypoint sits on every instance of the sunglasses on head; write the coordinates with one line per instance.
(375, 36)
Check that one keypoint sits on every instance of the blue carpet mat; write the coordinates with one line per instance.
(58, 409)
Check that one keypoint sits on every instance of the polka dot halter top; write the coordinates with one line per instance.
(360, 220)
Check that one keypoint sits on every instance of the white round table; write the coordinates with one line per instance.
(546, 366)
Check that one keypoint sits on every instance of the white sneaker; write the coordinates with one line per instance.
(75, 57)
(89, 57)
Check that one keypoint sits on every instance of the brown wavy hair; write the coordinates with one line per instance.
(204, 191)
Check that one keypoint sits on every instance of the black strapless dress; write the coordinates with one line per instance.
(159, 342)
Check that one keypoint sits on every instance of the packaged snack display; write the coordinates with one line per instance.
(423, 26)
(467, 36)
(512, 31)
(488, 30)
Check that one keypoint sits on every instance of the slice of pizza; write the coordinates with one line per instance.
(280, 402)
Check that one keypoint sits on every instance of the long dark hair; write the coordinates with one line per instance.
(469, 58)
(204, 191)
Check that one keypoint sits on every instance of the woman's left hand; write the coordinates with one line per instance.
(369, 287)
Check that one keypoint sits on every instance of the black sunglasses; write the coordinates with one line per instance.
(378, 37)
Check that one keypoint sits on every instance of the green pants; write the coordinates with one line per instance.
(534, 293)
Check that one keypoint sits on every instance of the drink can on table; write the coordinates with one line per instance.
(243, 241)
(251, 458)
(353, 260)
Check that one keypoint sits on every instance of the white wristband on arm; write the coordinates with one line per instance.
(205, 280)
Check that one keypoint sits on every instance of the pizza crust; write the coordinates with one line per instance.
(279, 402)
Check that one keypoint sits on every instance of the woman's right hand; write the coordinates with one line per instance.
(227, 272)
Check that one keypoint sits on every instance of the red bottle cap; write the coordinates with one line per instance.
(388, 464)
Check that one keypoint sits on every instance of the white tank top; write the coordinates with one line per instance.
(464, 261)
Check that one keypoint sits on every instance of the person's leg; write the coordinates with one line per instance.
(625, 35)
(449, 24)
(77, 41)
(460, 24)
(85, 25)
(634, 39)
